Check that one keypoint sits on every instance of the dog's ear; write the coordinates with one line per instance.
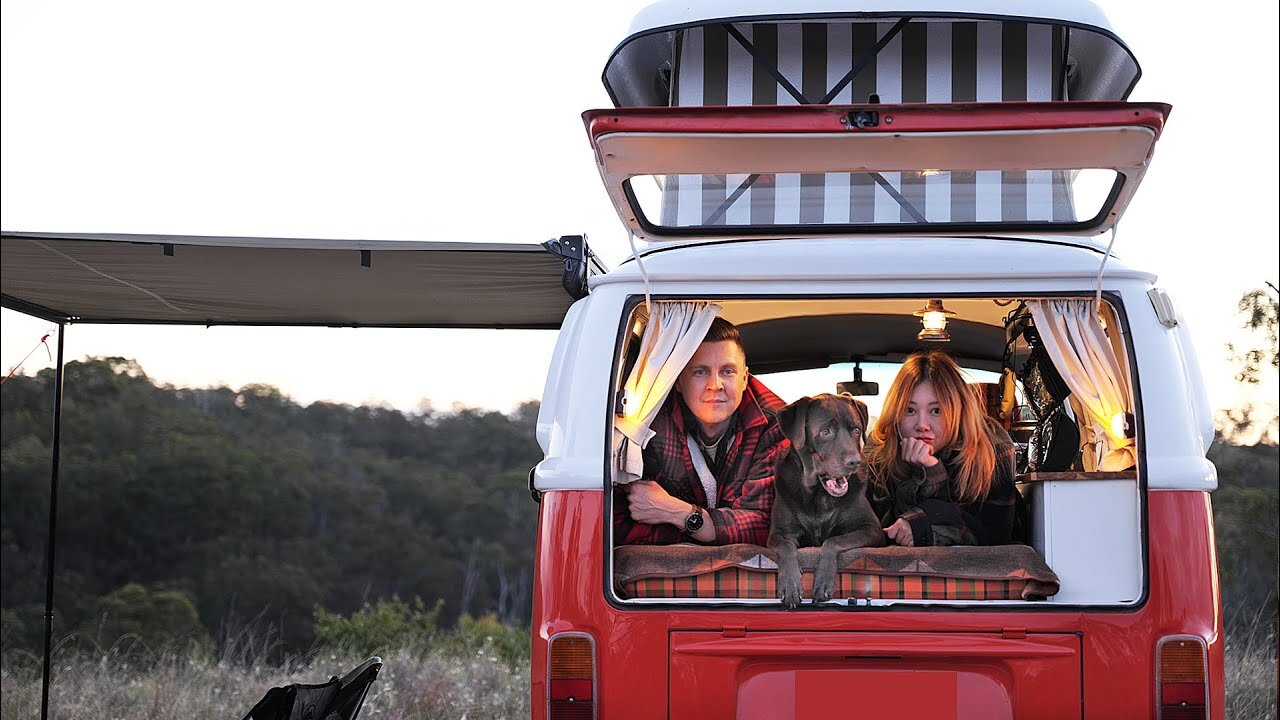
(792, 419)
(859, 409)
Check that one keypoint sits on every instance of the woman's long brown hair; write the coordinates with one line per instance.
(965, 427)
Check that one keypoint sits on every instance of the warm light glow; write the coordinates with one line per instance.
(1120, 427)
(933, 318)
(630, 406)
(929, 172)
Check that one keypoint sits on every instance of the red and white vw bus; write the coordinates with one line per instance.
(819, 174)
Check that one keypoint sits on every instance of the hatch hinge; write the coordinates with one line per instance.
(534, 492)
(572, 249)
(1014, 633)
(734, 631)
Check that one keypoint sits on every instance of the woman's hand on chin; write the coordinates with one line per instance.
(918, 452)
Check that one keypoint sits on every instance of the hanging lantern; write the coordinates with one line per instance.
(934, 319)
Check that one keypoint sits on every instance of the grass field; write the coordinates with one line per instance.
(416, 682)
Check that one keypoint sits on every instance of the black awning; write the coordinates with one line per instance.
(201, 280)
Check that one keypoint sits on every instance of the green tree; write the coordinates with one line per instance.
(154, 619)
(379, 627)
(1247, 503)
(1260, 311)
(1257, 359)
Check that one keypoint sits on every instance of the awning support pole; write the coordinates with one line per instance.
(53, 525)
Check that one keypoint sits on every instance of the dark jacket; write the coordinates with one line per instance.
(927, 501)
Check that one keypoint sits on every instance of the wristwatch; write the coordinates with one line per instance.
(693, 523)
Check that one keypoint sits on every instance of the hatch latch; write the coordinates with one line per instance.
(860, 119)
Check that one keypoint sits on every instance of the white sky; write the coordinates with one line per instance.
(378, 120)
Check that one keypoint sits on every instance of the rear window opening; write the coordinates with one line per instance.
(767, 201)
(1075, 460)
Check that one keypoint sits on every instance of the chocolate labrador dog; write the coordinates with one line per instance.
(821, 496)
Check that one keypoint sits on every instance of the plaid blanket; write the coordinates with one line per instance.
(997, 572)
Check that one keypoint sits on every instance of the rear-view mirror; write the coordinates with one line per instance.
(858, 387)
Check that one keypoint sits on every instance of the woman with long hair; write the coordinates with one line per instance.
(941, 472)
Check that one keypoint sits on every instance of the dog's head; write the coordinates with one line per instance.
(826, 433)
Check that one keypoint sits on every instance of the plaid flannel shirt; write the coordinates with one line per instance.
(744, 492)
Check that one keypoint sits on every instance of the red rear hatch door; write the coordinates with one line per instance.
(977, 676)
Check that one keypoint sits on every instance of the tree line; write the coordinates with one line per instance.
(197, 511)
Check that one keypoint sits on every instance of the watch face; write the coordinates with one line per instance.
(693, 523)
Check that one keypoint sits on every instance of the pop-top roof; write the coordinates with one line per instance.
(958, 49)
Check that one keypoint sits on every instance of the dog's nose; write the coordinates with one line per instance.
(852, 461)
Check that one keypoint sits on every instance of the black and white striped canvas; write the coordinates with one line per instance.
(939, 61)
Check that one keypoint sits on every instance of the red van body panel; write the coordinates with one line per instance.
(1048, 662)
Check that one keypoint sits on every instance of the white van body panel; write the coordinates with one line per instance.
(1171, 402)
(550, 426)
(577, 396)
(923, 263)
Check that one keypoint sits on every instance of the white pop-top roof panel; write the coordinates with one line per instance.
(666, 50)
(669, 13)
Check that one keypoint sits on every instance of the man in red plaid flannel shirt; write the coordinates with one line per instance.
(731, 418)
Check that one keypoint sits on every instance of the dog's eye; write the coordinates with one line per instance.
(825, 432)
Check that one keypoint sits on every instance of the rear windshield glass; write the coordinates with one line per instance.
(1052, 198)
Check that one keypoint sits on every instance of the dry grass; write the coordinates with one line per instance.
(185, 685)
(1251, 668)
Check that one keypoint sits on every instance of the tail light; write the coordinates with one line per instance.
(1181, 687)
(571, 686)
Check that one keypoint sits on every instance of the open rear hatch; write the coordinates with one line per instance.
(981, 676)
(1063, 168)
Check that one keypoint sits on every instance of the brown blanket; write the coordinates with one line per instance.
(990, 563)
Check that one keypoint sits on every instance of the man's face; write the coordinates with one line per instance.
(712, 384)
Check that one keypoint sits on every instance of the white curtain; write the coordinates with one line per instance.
(1097, 376)
(672, 336)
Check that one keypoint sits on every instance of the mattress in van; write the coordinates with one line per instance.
(1007, 572)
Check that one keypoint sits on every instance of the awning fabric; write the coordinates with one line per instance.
(271, 281)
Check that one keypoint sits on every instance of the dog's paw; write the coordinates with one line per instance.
(824, 587)
(790, 594)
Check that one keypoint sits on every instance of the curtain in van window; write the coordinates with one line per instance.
(1098, 377)
(671, 337)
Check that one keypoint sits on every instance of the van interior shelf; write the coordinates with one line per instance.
(1077, 475)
